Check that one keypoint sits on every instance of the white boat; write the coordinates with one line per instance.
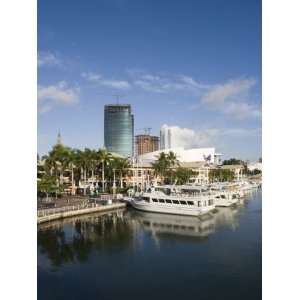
(178, 200)
(226, 194)
(226, 198)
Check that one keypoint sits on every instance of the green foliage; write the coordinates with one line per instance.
(62, 160)
(233, 161)
(220, 175)
(182, 175)
(48, 185)
(164, 166)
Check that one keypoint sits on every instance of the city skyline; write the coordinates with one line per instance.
(202, 77)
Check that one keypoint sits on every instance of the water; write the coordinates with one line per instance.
(134, 255)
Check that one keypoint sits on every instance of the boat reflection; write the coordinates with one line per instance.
(188, 227)
(73, 240)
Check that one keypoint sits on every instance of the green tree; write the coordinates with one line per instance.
(47, 184)
(220, 175)
(161, 165)
(183, 175)
(121, 165)
(233, 161)
(164, 166)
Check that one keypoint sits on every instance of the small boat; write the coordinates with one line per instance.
(178, 200)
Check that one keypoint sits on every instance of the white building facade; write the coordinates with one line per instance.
(207, 155)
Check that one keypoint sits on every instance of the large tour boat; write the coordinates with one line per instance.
(178, 200)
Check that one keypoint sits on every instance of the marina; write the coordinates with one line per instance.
(144, 253)
(189, 200)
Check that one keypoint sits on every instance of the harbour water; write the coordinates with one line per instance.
(129, 254)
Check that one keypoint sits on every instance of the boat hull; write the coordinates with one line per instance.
(170, 209)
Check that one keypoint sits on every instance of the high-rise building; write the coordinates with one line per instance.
(145, 143)
(119, 129)
(165, 137)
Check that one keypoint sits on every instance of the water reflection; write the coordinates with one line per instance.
(73, 240)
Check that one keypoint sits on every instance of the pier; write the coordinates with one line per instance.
(46, 215)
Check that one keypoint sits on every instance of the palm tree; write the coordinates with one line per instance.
(103, 158)
(172, 158)
(121, 165)
(173, 162)
(161, 165)
(58, 159)
(83, 161)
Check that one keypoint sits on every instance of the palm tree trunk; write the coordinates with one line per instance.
(84, 173)
(121, 179)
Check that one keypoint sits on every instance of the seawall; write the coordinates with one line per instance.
(71, 213)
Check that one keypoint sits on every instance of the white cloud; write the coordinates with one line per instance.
(208, 137)
(117, 84)
(59, 94)
(47, 59)
(231, 99)
(189, 138)
(242, 110)
(220, 93)
(99, 80)
(165, 84)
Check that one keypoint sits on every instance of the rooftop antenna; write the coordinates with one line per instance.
(147, 130)
(118, 97)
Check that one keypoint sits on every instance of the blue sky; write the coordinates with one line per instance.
(195, 65)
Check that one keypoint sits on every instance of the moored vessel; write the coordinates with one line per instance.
(178, 200)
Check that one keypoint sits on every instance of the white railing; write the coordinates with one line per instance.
(53, 211)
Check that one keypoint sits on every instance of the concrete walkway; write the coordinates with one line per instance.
(71, 213)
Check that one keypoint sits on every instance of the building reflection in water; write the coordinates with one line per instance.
(73, 240)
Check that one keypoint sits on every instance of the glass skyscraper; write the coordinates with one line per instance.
(119, 129)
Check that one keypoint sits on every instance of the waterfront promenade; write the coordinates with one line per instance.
(46, 215)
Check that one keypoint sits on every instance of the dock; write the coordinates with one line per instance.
(46, 215)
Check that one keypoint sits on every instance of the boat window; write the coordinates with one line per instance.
(175, 201)
(199, 203)
(223, 196)
(183, 202)
(190, 203)
(210, 202)
(233, 196)
(154, 200)
(168, 201)
(161, 200)
(146, 199)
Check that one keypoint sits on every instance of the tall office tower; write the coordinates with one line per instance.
(165, 137)
(119, 129)
(145, 143)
